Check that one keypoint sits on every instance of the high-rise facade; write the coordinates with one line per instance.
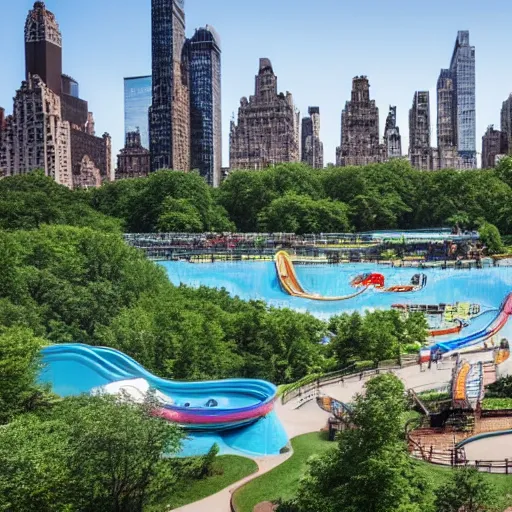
(51, 127)
(446, 110)
(495, 143)
(447, 155)
(462, 70)
(137, 100)
(43, 47)
(133, 159)
(360, 128)
(169, 115)
(268, 126)
(420, 151)
(36, 136)
(312, 147)
(506, 120)
(204, 56)
(392, 137)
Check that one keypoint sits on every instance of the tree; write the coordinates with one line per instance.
(491, 238)
(32, 200)
(140, 203)
(370, 470)
(19, 365)
(87, 454)
(466, 491)
(301, 214)
(179, 216)
(376, 336)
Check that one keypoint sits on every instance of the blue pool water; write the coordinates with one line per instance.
(258, 280)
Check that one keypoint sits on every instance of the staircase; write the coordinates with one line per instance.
(474, 385)
(489, 374)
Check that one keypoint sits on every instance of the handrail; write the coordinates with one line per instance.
(341, 375)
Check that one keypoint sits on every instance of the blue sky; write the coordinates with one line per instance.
(315, 47)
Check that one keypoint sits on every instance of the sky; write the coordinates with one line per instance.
(316, 48)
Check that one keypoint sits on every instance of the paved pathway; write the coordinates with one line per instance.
(491, 448)
(310, 418)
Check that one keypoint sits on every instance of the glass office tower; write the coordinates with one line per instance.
(205, 104)
(137, 100)
(462, 69)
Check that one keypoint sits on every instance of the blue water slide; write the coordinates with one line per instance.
(73, 369)
(492, 328)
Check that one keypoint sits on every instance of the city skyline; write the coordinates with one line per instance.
(311, 81)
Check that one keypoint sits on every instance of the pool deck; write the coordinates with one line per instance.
(310, 418)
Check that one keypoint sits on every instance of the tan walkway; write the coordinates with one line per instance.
(309, 418)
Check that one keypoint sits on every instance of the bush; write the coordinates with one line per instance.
(491, 238)
(497, 404)
(502, 388)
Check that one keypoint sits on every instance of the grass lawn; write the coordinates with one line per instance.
(228, 470)
(283, 481)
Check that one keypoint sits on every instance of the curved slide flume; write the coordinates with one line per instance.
(484, 334)
(291, 285)
(74, 369)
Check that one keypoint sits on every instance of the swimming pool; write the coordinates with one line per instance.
(258, 280)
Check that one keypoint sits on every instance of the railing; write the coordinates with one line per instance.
(303, 399)
(320, 381)
(453, 457)
(347, 374)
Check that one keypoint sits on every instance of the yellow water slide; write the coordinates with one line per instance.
(291, 285)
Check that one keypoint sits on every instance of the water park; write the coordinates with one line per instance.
(465, 297)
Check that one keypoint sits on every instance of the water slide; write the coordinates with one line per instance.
(482, 335)
(74, 369)
(291, 285)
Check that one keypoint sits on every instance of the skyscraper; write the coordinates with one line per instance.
(137, 100)
(312, 146)
(392, 137)
(267, 132)
(462, 70)
(43, 47)
(205, 104)
(506, 119)
(169, 116)
(447, 155)
(446, 111)
(36, 136)
(360, 128)
(420, 151)
(51, 127)
(494, 144)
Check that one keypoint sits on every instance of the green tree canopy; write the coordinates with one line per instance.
(376, 336)
(466, 490)
(143, 204)
(31, 200)
(179, 216)
(301, 214)
(371, 469)
(491, 238)
(19, 366)
(87, 454)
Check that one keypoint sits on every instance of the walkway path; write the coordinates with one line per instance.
(310, 418)
(490, 448)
